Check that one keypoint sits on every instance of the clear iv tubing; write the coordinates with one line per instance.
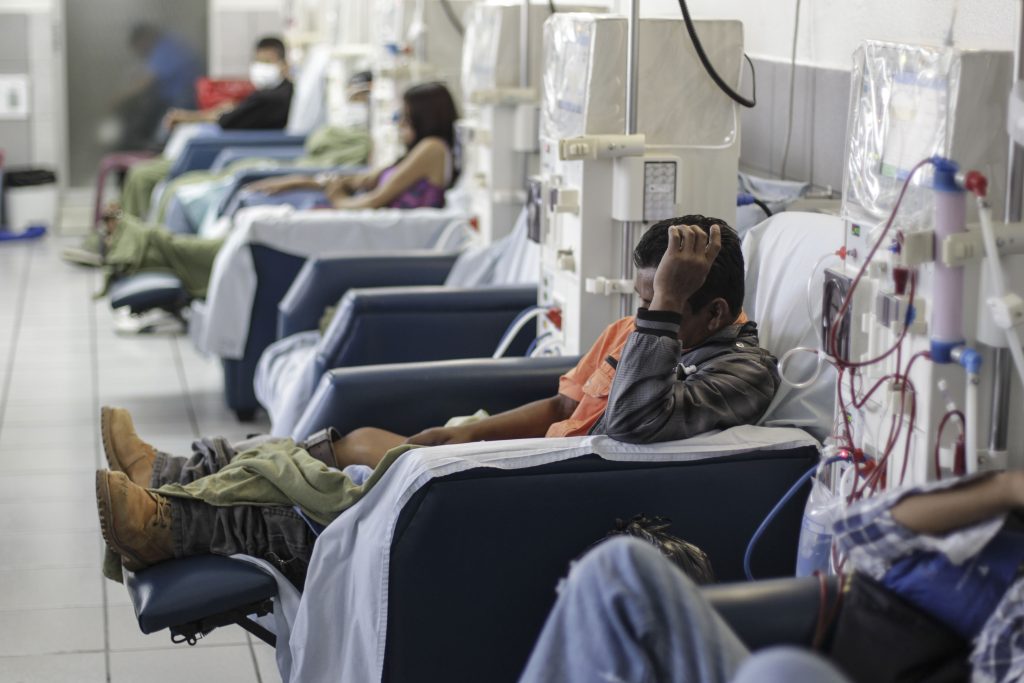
(553, 344)
(995, 267)
(817, 333)
(516, 327)
(971, 419)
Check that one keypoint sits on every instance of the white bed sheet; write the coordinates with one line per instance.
(221, 325)
(339, 631)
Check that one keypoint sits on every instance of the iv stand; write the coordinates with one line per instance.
(999, 426)
(631, 228)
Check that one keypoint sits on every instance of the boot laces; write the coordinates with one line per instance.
(162, 518)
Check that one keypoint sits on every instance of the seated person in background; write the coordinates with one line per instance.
(419, 179)
(170, 69)
(625, 613)
(194, 195)
(688, 363)
(265, 109)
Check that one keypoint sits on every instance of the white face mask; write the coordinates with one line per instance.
(357, 115)
(265, 76)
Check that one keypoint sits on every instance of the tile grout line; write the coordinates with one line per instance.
(186, 393)
(15, 332)
(255, 662)
(95, 364)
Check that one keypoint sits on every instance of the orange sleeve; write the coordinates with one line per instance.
(571, 383)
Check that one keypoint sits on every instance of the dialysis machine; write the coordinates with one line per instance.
(414, 41)
(500, 87)
(927, 383)
(596, 182)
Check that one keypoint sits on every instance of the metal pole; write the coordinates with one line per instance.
(999, 426)
(630, 229)
(632, 61)
(524, 44)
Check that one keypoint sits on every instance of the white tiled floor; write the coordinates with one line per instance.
(59, 362)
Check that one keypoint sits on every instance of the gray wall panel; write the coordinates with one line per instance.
(817, 142)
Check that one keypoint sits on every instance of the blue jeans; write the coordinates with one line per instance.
(625, 613)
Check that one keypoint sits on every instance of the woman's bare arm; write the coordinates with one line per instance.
(427, 160)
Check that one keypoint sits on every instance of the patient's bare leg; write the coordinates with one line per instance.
(365, 446)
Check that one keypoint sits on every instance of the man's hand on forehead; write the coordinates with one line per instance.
(685, 265)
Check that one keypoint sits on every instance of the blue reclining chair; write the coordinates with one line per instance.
(202, 151)
(394, 324)
(484, 290)
(455, 617)
(279, 243)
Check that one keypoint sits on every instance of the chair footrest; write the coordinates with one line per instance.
(203, 591)
(146, 291)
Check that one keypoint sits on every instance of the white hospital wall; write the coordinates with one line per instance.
(235, 26)
(32, 36)
(830, 30)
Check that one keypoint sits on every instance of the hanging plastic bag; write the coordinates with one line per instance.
(814, 552)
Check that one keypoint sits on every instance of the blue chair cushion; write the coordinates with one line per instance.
(195, 588)
(144, 291)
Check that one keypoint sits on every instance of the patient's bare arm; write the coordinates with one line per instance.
(941, 512)
(367, 446)
(530, 420)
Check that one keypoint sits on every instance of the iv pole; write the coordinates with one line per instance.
(630, 228)
(1012, 213)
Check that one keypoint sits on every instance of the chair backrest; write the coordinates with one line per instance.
(512, 260)
(781, 254)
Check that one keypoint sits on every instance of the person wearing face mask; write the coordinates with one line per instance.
(419, 179)
(265, 109)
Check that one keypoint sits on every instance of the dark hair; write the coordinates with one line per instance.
(693, 561)
(432, 113)
(725, 279)
(272, 43)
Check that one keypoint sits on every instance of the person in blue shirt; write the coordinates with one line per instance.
(172, 68)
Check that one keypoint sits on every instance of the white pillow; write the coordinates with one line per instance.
(780, 255)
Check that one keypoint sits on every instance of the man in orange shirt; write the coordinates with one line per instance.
(688, 362)
(703, 286)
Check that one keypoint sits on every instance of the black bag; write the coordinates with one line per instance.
(692, 560)
(881, 638)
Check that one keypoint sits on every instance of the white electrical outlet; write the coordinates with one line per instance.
(13, 96)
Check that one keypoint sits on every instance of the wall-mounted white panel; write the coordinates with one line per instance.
(14, 97)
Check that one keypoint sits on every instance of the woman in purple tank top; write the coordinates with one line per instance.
(418, 179)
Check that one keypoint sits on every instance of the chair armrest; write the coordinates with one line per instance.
(200, 151)
(230, 202)
(773, 612)
(410, 397)
(229, 155)
(410, 324)
(323, 281)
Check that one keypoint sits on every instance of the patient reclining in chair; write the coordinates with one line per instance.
(687, 363)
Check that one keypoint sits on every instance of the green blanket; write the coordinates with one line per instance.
(136, 247)
(281, 473)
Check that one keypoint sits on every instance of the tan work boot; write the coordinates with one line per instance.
(135, 523)
(124, 450)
